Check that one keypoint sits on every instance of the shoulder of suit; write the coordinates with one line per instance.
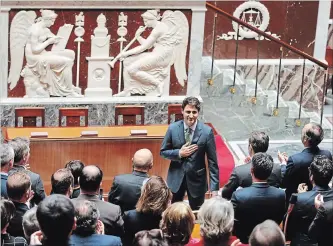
(243, 167)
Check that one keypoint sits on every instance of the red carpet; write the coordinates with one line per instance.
(225, 160)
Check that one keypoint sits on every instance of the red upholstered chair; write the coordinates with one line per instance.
(73, 116)
(29, 116)
(129, 113)
(175, 109)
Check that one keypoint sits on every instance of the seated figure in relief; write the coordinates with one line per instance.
(148, 71)
(46, 72)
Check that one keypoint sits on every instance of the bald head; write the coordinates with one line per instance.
(267, 233)
(91, 178)
(62, 181)
(143, 160)
(312, 135)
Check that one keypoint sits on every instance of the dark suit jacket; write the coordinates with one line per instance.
(241, 177)
(110, 214)
(255, 204)
(296, 171)
(303, 213)
(4, 185)
(321, 228)
(126, 190)
(15, 225)
(36, 184)
(95, 239)
(135, 222)
(193, 166)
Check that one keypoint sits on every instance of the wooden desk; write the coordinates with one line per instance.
(112, 150)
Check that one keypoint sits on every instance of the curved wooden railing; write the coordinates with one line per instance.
(270, 37)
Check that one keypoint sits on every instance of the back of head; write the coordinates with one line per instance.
(262, 165)
(321, 169)
(177, 223)
(143, 160)
(193, 101)
(153, 237)
(7, 212)
(91, 178)
(312, 134)
(55, 215)
(18, 184)
(259, 141)
(7, 154)
(21, 148)
(62, 181)
(216, 219)
(267, 233)
(76, 167)
(87, 215)
(30, 222)
(155, 196)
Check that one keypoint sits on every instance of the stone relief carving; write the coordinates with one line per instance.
(45, 72)
(147, 72)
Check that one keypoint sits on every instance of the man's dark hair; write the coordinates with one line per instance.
(191, 101)
(18, 183)
(313, 133)
(262, 165)
(322, 170)
(76, 167)
(259, 141)
(153, 237)
(87, 215)
(61, 181)
(91, 178)
(267, 233)
(55, 215)
(7, 212)
(30, 222)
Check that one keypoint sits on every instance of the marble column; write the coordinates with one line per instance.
(4, 24)
(196, 47)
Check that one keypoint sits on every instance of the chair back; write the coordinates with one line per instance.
(176, 110)
(29, 115)
(129, 113)
(73, 116)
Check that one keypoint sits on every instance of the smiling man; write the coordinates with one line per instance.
(186, 143)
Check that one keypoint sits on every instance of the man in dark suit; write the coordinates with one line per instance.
(295, 168)
(186, 144)
(90, 182)
(321, 227)
(89, 229)
(126, 188)
(241, 175)
(321, 172)
(21, 160)
(7, 160)
(19, 192)
(259, 202)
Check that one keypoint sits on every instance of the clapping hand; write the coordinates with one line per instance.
(188, 150)
(236, 243)
(283, 157)
(36, 238)
(318, 201)
(302, 188)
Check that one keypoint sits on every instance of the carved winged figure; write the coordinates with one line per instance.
(45, 72)
(149, 71)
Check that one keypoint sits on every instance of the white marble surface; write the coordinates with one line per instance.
(4, 28)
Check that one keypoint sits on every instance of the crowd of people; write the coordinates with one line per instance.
(260, 198)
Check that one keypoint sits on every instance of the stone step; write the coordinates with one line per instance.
(283, 109)
(315, 117)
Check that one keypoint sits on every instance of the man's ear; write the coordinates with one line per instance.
(251, 171)
(74, 224)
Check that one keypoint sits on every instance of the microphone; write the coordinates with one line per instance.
(292, 202)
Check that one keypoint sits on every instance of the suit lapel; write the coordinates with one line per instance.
(181, 134)
(197, 133)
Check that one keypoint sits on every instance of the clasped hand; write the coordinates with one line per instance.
(188, 150)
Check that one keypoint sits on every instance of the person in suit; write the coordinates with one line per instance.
(90, 182)
(62, 182)
(267, 233)
(154, 199)
(259, 202)
(295, 168)
(321, 227)
(7, 160)
(20, 193)
(186, 144)
(21, 160)
(89, 229)
(321, 172)
(126, 188)
(241, 175)
(76, 167)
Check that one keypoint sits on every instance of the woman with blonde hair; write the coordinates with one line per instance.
(177, 224)
(155, 198)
